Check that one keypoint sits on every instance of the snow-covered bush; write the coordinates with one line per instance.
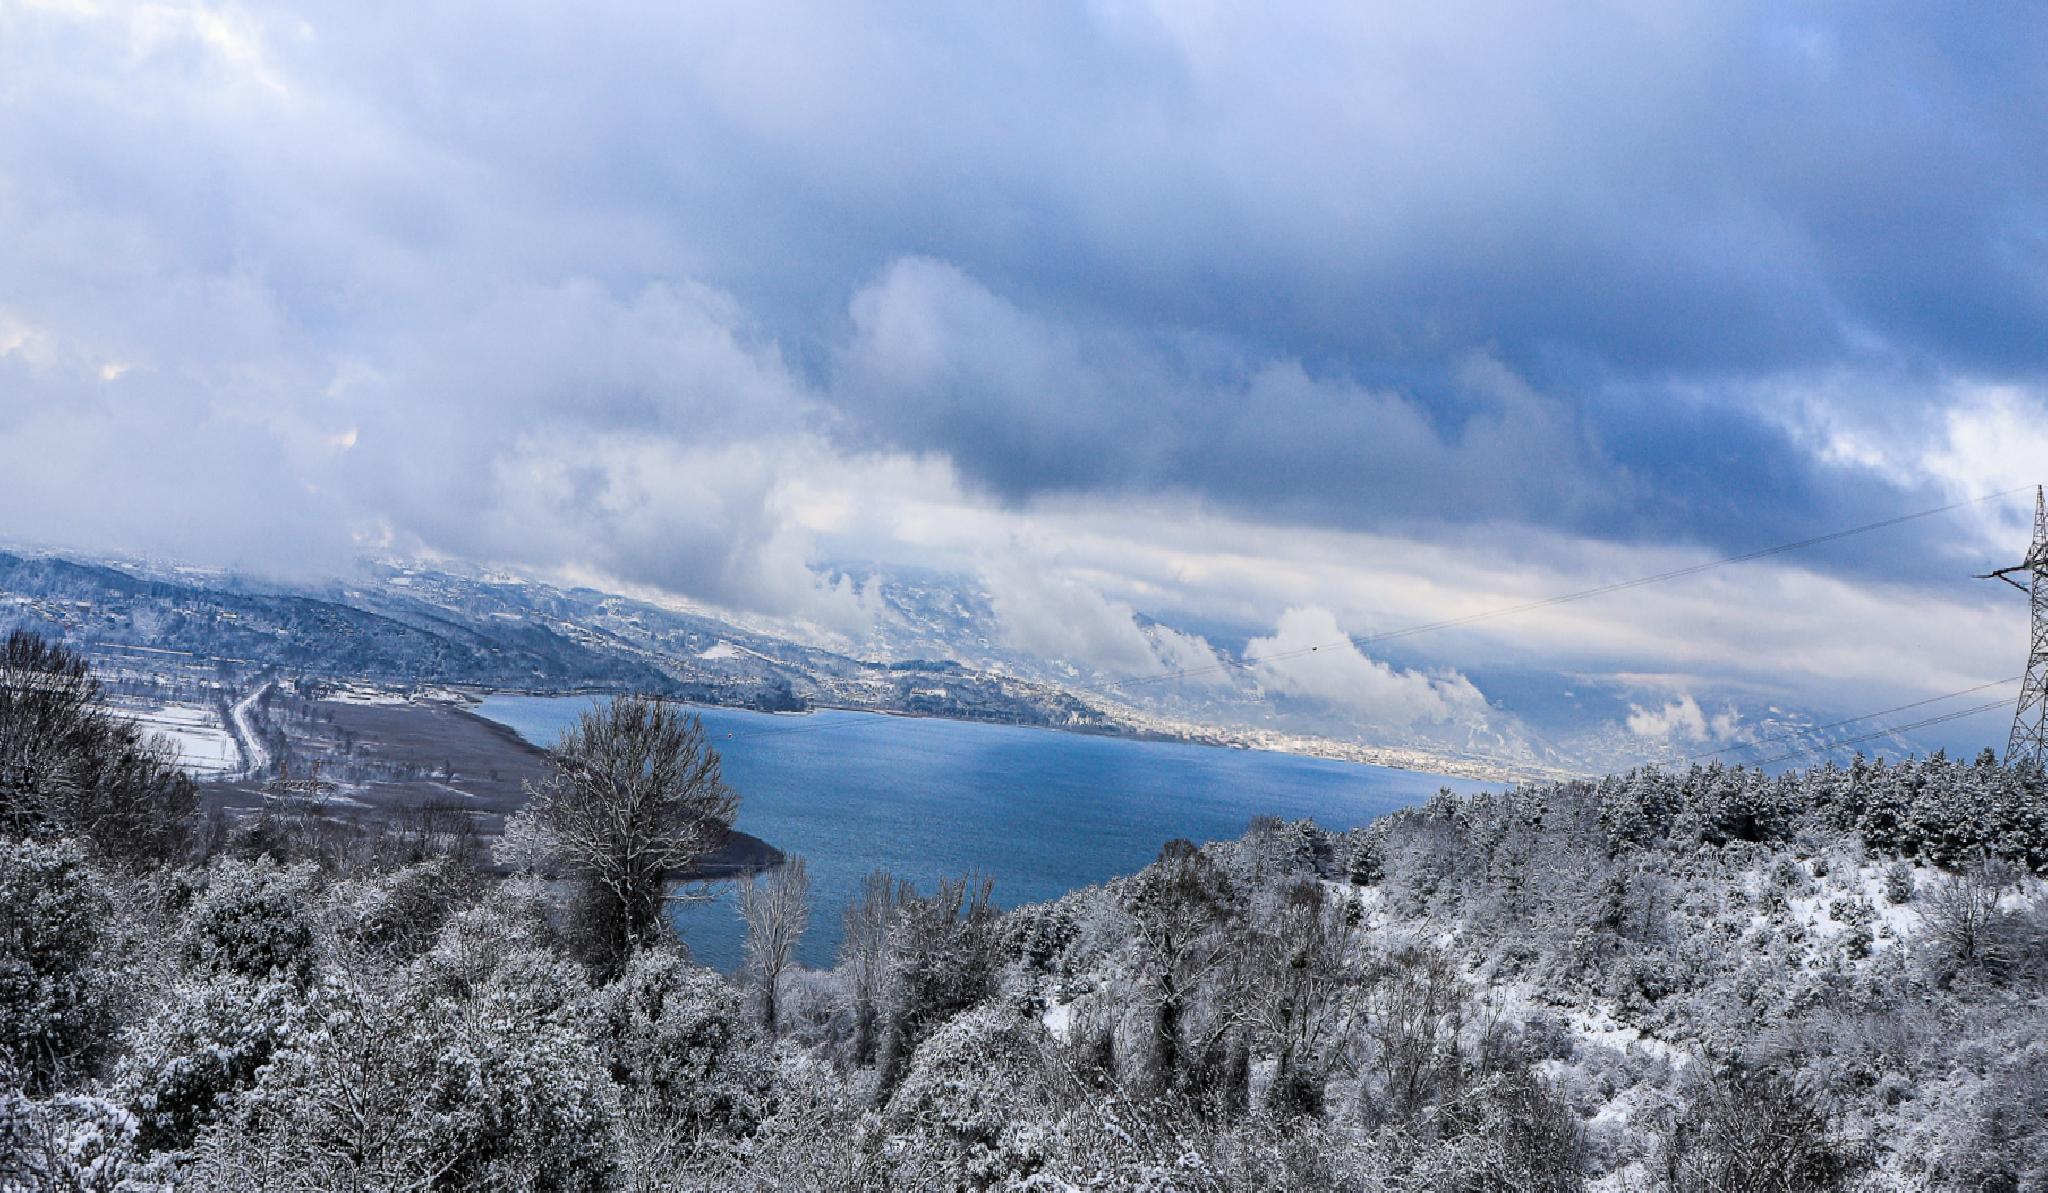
(73, 1143)
(255, 919)
(201, 1050)
(943, 956)
(816, 1008)
(1898, 882)
(975, 1104)
(821, 1136)
(399, 914)
(1038, 936)
(681, 1046)
(1999, 1140)
(475, 943)
(1752, 1130)
(56, 995)
(393, 1083)
(1972, 927)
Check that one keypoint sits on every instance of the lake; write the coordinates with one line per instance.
(1039, 811)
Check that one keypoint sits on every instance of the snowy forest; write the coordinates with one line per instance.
(1700, 979)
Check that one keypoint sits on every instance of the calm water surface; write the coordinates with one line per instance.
(1041, 812)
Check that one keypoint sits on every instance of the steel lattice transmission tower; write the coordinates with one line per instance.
(2029, 740)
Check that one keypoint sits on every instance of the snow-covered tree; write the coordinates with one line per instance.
(70, 768)
(776, 910)
(637, 797)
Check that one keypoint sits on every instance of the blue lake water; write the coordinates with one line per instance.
(1039, 811)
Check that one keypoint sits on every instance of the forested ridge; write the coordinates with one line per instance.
(1700, 979)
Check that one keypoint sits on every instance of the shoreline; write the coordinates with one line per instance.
(1222, 739)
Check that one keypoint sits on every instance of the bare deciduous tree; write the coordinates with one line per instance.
(1966, 922)
(864, 953)
(776, 910)
(1415, 1013)
(1300, 967)
(1179, 907)
(1752, 1129)
(637, 797)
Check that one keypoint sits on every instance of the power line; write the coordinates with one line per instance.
(1565, 598)
(1850, 741)
(856, 718)
(856, 721)
(1583, 594)
(1884, 712)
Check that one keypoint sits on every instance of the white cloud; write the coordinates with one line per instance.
(1683, 720)
(1057, 616)
(1770, 629)
(27, 344)
(1962, 435)
(652, 512)
(1308, 655)
(1190, 658)
(232, 36)
(1993, 437)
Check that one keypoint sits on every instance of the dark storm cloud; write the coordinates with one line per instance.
(484, 286)
(1030, 404)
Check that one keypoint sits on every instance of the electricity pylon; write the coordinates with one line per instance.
(2029, 740)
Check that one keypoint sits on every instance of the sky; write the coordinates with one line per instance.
(1180, 327)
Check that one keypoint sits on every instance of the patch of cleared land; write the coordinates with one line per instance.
(377, 758)
(205, 748)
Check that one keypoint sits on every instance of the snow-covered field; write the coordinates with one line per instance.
(205, 747)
